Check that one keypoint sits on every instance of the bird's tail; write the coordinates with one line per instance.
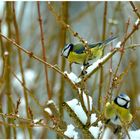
(109, 40)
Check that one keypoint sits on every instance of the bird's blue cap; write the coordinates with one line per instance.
(124, 96)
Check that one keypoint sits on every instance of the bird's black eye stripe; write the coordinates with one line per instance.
(66, 47)
(124, 106)
(124, 99)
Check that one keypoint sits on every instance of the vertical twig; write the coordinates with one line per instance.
(62, 43)
(103, 38)
(7, 73)
(43, 50)
(104, 20)
(122, 49)
(20, 63)
(1, 52)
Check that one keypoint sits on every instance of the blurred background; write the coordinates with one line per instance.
(86, 18)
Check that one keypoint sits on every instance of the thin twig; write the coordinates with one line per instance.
(20, 58)
(67, 26)
(62, 42)
(30, 93)
(29, 123)
(122, 49)
(135, 9)
(31, 54)
(102, 70)
(43, 50)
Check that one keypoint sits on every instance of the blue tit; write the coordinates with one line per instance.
(118, 110)
(77, 53)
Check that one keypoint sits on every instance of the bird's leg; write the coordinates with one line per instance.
(86, 65)
(107, 121)
(70, 67)
(117, 130)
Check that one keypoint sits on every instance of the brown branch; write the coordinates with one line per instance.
(101, 64)
(135, 28)
(135, 9)
(102, 70)
(31, 54)
(20, 58)
(25, 122)
(30, 93)
(122, 48)
(43, 50)
(67, 26)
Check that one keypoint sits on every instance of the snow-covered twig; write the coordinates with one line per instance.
(70, 132)
(78, 115)
(96, 65)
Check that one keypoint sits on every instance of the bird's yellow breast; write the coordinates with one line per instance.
(76, 58)
(80, 58)
(123, 113)
(111, 110)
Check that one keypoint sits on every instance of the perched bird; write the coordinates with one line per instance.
(118, 110)
(78, 54)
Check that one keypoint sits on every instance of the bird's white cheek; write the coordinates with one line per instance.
(121, 102)
(128, 105)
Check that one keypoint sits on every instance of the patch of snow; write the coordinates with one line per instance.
(73, 77)
(77, 108)
(100, 124)
(137, 21)
(87, 99)
(79, 90)
(70, 132)
(48, 110)
(50, 102)
(94, 131)
(72, 103)
(35, 120)
(96, 64)
(118, 45)
(134, 134)
(93, 118)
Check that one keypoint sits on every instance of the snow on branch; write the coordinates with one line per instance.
(72, 77)
(76, 106)
(96, 65)
(70, 132)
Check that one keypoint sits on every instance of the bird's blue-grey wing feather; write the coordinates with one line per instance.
(79, 48)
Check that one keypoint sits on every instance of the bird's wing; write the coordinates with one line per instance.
(95, 45)
(105, 42)
(109, 40)
(79, 48)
